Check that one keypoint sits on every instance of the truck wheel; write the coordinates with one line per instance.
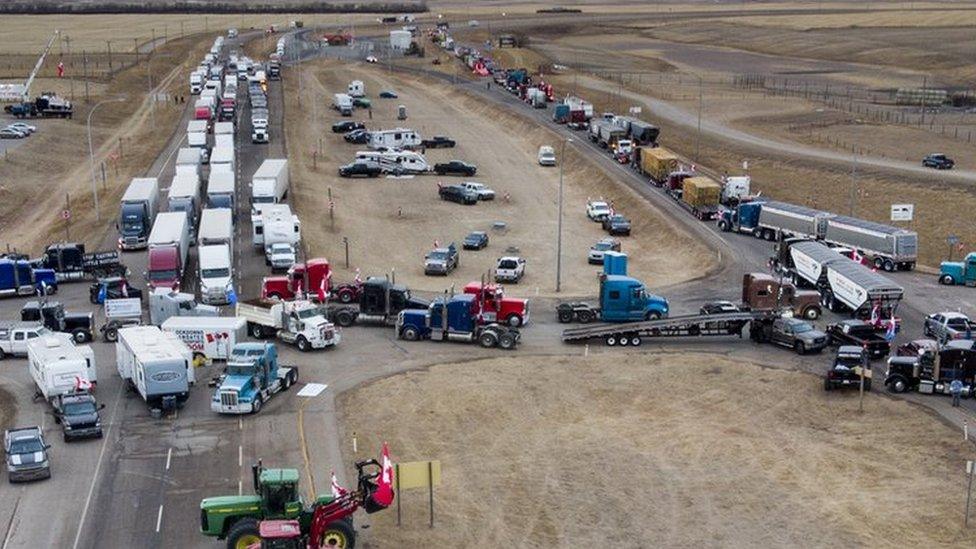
(514, 320)
(345, 319)
(827, 385)
(111, 335)
(79, 336)
(811, 313)
(897, 385)
(611, 340)
(947, 280)
(286, 383)
(507, 341)
(723, 226)
(256, 331)
(302, 344)
(565, 316)
(488, 339)
(585, 316)
(800, 348)
(653, 315)
(889, 265)
(243, 534)
(624, 340)
(345, 296)
(338, 534)
(635, 341)
(757, 232)
(878, 263)
(256, 407)
(410, 333)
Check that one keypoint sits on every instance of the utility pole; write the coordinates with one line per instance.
(925, 81)
(71, 76)
(153, 39)
(109, 42)
(701, 103)
(559, 220)
(84, 56)
(181, 29)
(853, 198)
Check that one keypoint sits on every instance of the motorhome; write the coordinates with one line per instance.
(398, 138)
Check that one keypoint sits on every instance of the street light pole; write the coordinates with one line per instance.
(701, 101)
(91, 153)
(559, 221)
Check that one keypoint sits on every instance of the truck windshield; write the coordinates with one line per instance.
(131, 225)
(162, 275)
(438, 255)
(26, 446)
(220, 201)
(801, 327)
(507, 264)
(79, 408)
(307, 313)
(262, 199)
(214, 273)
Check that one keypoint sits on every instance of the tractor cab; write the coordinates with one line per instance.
(278, 490)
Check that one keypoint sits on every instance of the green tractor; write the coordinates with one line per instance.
(236, 518)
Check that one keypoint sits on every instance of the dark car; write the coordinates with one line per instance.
(719, 307)
(475, 240)
(388, 94)
(455, 167)
(358, 137)
(438, 142)
(617, 224)
(78, 415)
(360, 169)
(347, 126)
(938, 161)
(457, 193)
(846, 370)
(113, 287)
(362, 102)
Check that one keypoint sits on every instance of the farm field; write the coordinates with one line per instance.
(661, 449)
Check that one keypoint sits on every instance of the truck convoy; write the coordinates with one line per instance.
(157, 364)
(138, 213)
(208, 338)
(622, 298)
(70, 263)
(454, 318)
(270, 181)
(18, 278)
(169, 243)
(300, 323)
(58, 367)
(251, 378)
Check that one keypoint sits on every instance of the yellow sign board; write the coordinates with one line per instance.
(418, 474)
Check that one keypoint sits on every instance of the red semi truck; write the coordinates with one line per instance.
(289, 285)
(495, 307)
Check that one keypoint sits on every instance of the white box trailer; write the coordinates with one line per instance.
(356, 88)
(216, 227)
(59, 367)
(184, 196)
(270, 181)
(342, 103)
(781, 218)
(224, 140)
(198, 140)
(397, 138)
(810, 260)
(274, 224)
(221, 190)
(198, 126)
(224, 128)
(888, 247)
(156, 363)
(190, 159)
(222, 159)
(212, 338)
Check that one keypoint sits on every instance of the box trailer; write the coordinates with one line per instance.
(222, 159)
(190, 159)
(397, 138)
(137, 212)
(640, 132)
(198, 141)
(210, 338)
(786, 220)
(888, 247)
(59, 367)
(184, 196)
(216, 227)
(169, 243)
(270, 181)
(853, 287)
(221, 189)
(157, 364)
(224, 128)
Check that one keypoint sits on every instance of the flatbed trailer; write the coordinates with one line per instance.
(633, 333)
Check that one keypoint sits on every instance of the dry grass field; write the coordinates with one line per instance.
(406, 216)
(664, 450)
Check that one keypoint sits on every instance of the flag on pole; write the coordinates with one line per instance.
(358, 279)
(337, 491)
(892, 326)
(60, 69)
(125, 289)
(323, 292)
(102, 293)
(876, 314)
(82, 384)
(384, 485)
(231, 296)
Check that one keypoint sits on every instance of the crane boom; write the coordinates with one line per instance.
(37, 67)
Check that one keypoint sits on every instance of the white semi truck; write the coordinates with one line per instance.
(299, 323)
(270, 181)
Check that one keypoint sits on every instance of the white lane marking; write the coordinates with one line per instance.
(11, 524)
(240, 487)
(159, 518)
(169, 456)
(172, 153)
(240, 424)
(98, 467)
(240, 455)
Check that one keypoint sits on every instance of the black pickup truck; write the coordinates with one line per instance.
(846, 370)
(859, 333)
(54, 318)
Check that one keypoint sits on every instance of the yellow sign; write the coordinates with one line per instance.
(418, 474)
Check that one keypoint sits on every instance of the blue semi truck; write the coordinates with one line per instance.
(18, 278)
(251, 378)
(622, 298)
(959, 272)
(454, 318)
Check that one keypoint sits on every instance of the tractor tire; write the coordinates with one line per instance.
(303, 344)
(947, 280)
(514, 320)
(488, 340)
(338, 534)
(344, 319)
(410, 334)
(111, 335)
(507, 341)
(585, 316)
(243, 534)
(565, 316)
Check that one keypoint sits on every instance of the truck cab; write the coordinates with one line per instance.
(216, 280)
(15, 335)
(77, 413)
(624, 299)
(762, 291)
(380, 300)
(741, 218)
(134, 225)
(18, 278)
(164, 268)
(495, 307)
(290, 285)
(454, 319)
(959, 272)
(251, 377)
(54, 318)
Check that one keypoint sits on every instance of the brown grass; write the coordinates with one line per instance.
(658, 450)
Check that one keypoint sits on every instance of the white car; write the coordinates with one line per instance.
(371, 59)
(483, 192)
(547, 156)
(509, 269)
(23, 127)
(10, 133)
(596, 210)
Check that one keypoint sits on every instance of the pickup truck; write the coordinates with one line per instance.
(26, 454)
(442, 261)
(616, 224)
(846, 369)
(509, 269)
(859, 333)
(15, 335)
(946, 326)
(78, 416)
(597, 210)
(798, 334)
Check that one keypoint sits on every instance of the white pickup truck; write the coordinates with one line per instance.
(15, 335)
(947, 326)
(299, 323)
(509, 269)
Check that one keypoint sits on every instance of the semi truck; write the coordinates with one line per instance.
(251, 378)
(762, 291)
(138, 213)
(81, 326)
(621, 298)
(156, 364)
(208, 338)
(454, 318)
(606, 132)
(932, 372)
(580, 110)
(640, 132)
(805, 261)
(216, 274)
(888, 247)
(184, 196)
(217, 227)
(58, 367)
(494, 306)
(656, 163)
(270, 181)
(700, 195)
(222, 159)
(221, 187)
(189, 160)
(379, 300)
(71, 263)
(959, 272)
(19, 278)
(782, 219)
(292, 284)
(169, 243)
(299, 323)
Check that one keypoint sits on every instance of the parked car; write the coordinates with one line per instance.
(846, 369)
(77, 413)
(347, 126)
(360, 169)
(9, 133)
(547, 156)
(388, 94)
(718, 307)
(457, 193)
(597, 251)
(616, 224)
(371, 59)
(358, 137)
(578, 126)
(455, 167)
(441, 261)
(23, 127)
(479, 189)
(22, 132)
(361, 102)
(938, 161)
(597, 210)
(509, 269)
(26, 453)
(476, 240)
(438, 142)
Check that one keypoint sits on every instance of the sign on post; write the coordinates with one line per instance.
(128, 307)
(902, 212)
(417, 474)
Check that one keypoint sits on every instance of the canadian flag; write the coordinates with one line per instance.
(384, 486)
(358, 279)
(876, 314)
(82, 384)
(337, 491)
(60, 69)
(856, 257)
(892, 327)
(323, 293)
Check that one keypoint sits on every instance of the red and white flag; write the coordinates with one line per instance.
(384, 486)
(358, 279)
(125, 289)
(337, 491)
(82, 384)
(876, 314)
(856, 256)
(323, 289)
(60, 69)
